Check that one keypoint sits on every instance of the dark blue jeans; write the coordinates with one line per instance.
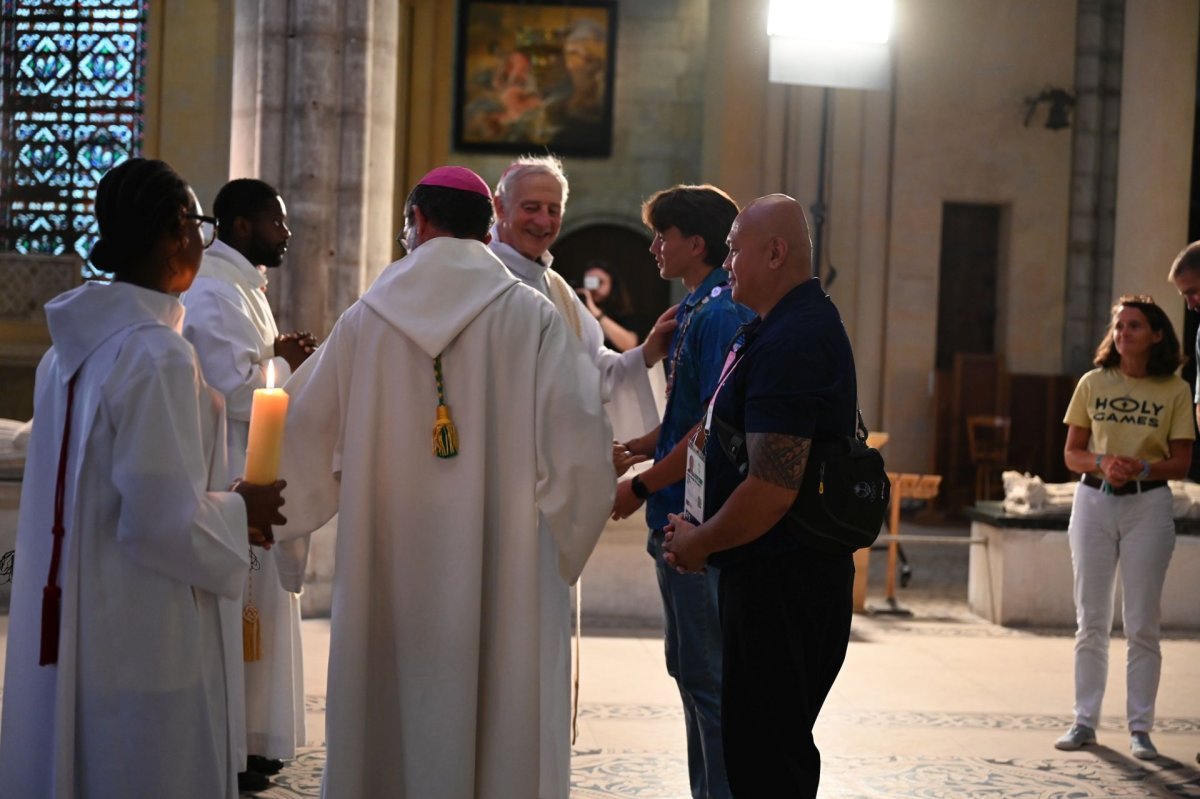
(693, 648)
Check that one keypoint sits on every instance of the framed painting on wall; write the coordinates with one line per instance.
(533, 76)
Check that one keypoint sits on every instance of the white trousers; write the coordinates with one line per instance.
(1136, 533)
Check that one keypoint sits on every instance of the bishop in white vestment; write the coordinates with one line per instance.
(446, 566)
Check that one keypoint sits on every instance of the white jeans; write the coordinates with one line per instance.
(1137, 533)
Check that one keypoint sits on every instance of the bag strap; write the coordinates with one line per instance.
(52, 594)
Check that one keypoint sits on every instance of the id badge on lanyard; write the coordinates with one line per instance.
(693, 478)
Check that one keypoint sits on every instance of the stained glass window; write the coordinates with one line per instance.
(73, 103)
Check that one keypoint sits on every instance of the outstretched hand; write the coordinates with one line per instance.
(655, 347)
(623, 458)
(625, 503)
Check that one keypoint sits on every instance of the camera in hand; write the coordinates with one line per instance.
(591, 282)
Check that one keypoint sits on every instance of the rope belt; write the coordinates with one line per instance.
(52, 594)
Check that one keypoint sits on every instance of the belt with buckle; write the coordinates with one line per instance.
(1132, 487)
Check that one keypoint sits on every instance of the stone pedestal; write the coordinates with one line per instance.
(1022, 577)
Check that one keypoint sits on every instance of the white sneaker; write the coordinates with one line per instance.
(1077, 737)
(1140, 745)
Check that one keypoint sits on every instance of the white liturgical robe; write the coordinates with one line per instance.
(628, 393)
(451, 573)
(149, 662)
(231, 326)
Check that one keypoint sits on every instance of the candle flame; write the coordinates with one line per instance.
(270, 374)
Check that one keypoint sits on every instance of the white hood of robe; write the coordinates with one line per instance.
(84, 318)
(225, 263)
(432, 294)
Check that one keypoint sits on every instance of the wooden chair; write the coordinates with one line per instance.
(987, 443)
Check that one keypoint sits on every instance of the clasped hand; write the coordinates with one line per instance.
(683, 548)
(1120, 469)
(295, 347)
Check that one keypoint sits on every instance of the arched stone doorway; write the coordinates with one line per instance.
(625, 253)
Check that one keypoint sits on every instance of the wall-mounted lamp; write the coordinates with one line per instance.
(1060, 101)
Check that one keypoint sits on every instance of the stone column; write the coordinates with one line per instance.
(324, 124)
(1154, 166)
(1096, 131)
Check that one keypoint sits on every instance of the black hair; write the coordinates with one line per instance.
(462, 214)
(244, 197)
(137, 203)
(1165, 356)
(704, 211)
(1188, 260)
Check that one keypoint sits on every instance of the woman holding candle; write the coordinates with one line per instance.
(124, 656)
(1129, 431)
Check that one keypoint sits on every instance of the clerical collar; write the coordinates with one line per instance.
(527, 270)
(246, 271)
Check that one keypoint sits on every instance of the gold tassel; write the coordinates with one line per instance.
(445, 436)
(251, 635)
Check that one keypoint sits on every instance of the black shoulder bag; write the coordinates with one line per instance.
(843, 497)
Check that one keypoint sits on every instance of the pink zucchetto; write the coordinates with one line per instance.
(456, 177)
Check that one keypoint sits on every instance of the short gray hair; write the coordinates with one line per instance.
(532, 165)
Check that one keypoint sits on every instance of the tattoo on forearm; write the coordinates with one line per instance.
(778, 459)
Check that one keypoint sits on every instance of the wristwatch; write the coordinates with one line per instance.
(639, 488)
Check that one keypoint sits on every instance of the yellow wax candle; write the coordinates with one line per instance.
(268, 414)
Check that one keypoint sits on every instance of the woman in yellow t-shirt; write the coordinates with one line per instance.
(1129, 430)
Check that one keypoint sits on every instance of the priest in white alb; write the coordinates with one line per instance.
(460, 435)
(123, 655)
(230, 323)
(531, 197)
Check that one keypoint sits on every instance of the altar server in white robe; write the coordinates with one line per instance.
(123, 685)
(531, 197)
(451, 537)
(230, 323)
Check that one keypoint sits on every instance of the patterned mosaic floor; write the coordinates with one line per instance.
(646, 774)
(937, 706)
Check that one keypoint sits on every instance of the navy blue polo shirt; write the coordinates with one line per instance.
(794, 376)
(708, 319)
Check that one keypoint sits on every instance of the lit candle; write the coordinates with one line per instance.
(268, 413)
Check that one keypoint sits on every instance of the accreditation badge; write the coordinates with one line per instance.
(693, 479)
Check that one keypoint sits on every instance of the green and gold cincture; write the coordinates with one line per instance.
(445, 436)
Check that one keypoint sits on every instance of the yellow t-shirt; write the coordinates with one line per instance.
(1133, 416)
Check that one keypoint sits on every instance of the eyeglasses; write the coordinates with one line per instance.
(208, 228)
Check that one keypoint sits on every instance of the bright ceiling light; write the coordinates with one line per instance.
(831, 20)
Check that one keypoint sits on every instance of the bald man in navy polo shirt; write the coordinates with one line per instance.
(785, 605)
